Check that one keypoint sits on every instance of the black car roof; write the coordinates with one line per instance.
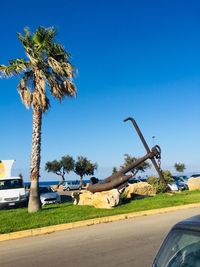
(192, 223)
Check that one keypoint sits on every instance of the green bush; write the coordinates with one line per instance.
(156, 183)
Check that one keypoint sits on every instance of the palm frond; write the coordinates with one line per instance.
(56, 66)
(39, 94)
(40, 100)
(68, 88)
(26, 40)
(60, 86)
(68, 69)
(58, 52)
(26, 96)
(48, 64)
(24, 89)
(44, 36)
(15, 67)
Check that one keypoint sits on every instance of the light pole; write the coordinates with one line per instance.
(153, 137)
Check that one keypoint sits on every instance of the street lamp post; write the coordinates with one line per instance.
(153, 137)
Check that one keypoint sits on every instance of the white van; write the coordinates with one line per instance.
(12, 191)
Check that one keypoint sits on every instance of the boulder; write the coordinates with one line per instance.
(83, 197)
(141, 189)
(103, 200)
(194, 183)
(106, 199)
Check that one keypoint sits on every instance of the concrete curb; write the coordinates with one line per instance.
(73, 225)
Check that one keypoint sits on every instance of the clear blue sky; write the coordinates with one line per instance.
(135, 58)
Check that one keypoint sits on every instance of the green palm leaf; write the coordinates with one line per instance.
(48, 64)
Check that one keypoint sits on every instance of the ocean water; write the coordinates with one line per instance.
(48, 183)
(43, 183)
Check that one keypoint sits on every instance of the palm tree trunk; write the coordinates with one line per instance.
(34, 200)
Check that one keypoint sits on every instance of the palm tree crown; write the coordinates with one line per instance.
(48, 63)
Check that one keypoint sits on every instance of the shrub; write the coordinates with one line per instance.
(167, 176)
(156, 183)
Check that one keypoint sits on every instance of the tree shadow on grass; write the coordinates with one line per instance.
(125, 200)
(47, 208)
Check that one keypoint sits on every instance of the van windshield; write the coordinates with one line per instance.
(11, 184)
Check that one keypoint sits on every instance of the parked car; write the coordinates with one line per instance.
(195, 175)
(178, 184)
(48, 196)
(72, 185)
(134, 180)
(142, 179)
(184, 177)
(173, 186)
(181, 247)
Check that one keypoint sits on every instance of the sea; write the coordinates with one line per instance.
(48, 183)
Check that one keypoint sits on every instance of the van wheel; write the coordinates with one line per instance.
(80, 187)
(68, 188)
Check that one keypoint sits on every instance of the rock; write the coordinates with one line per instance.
(83, 197)
(194, 183)
(106, 199)
(141, 188)
(103, 200)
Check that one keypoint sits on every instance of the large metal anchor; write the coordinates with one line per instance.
(148, 150)
(120, 178)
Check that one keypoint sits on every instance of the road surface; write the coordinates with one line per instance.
(131, 242)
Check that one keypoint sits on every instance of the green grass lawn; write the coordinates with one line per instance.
(18, 219)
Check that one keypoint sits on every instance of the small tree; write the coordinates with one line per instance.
(65, 165)
(83, 167)
(128, 159)
(180, 167)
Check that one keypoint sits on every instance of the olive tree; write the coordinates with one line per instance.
(61, 167)
(83, 167)
(128, 160)
(179, 167)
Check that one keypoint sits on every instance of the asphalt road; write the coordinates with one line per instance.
(132, 242)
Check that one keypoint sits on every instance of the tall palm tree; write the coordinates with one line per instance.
(47, 66)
